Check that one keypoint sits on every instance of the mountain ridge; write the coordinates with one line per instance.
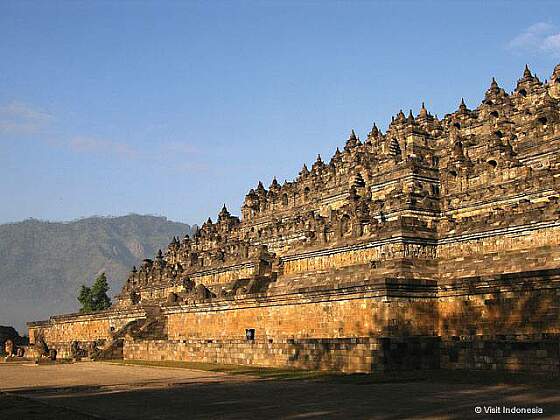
(43, 263)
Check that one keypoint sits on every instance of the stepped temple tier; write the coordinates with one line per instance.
(435, 244)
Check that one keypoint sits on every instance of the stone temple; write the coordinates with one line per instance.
(433, 245)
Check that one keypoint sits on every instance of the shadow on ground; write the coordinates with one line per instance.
(212, 395)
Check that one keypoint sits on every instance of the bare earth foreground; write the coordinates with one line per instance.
(111, 391)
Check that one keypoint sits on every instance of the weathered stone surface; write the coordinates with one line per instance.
(437, 242)
(7, 334)
(361, 354)
(11, 344)
(9, 347)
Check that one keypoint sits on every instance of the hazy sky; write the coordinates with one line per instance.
(170, 108)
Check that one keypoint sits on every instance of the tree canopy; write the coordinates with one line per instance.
(95, 298)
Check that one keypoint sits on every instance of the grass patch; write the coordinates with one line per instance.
(435, 376)
(260, 372)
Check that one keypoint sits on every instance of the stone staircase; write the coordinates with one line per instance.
(153, 327)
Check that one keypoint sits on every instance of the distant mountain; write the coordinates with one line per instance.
(43, 264)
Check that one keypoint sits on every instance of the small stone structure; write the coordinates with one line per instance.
(434, 244)
(9, 347)
(11, 344)
(7, 333)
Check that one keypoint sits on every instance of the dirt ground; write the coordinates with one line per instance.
(109, 391)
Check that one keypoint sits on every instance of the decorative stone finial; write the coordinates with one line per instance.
(494, 84)
(494, 92)
(318, 165)
(410, 118)
(462, 106)
(374, 131)
(423, 111)
(352, 140)
(336, 158)
(274, 184)
(224, 212)
(527, 73)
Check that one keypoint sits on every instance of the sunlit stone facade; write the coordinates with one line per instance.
(433, 244)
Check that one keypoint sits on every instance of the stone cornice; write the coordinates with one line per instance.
(401, 239)
(138, 312)
(482, 285)
(511, 230)
(407, 177)
(494, 202)
(224, 269)
(382, 290)
(359, 247)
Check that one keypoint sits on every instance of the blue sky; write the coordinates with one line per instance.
(173, 108)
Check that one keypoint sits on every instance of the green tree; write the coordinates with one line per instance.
(84, 297)
(95, 298)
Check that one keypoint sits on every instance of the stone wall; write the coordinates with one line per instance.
(512, 249)
(157, 292)
(535, 353)
(60, 331)
(359, 311)
(495, 322)
(513, 304)
(395, 247)
(226, 274)
(360, 354)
